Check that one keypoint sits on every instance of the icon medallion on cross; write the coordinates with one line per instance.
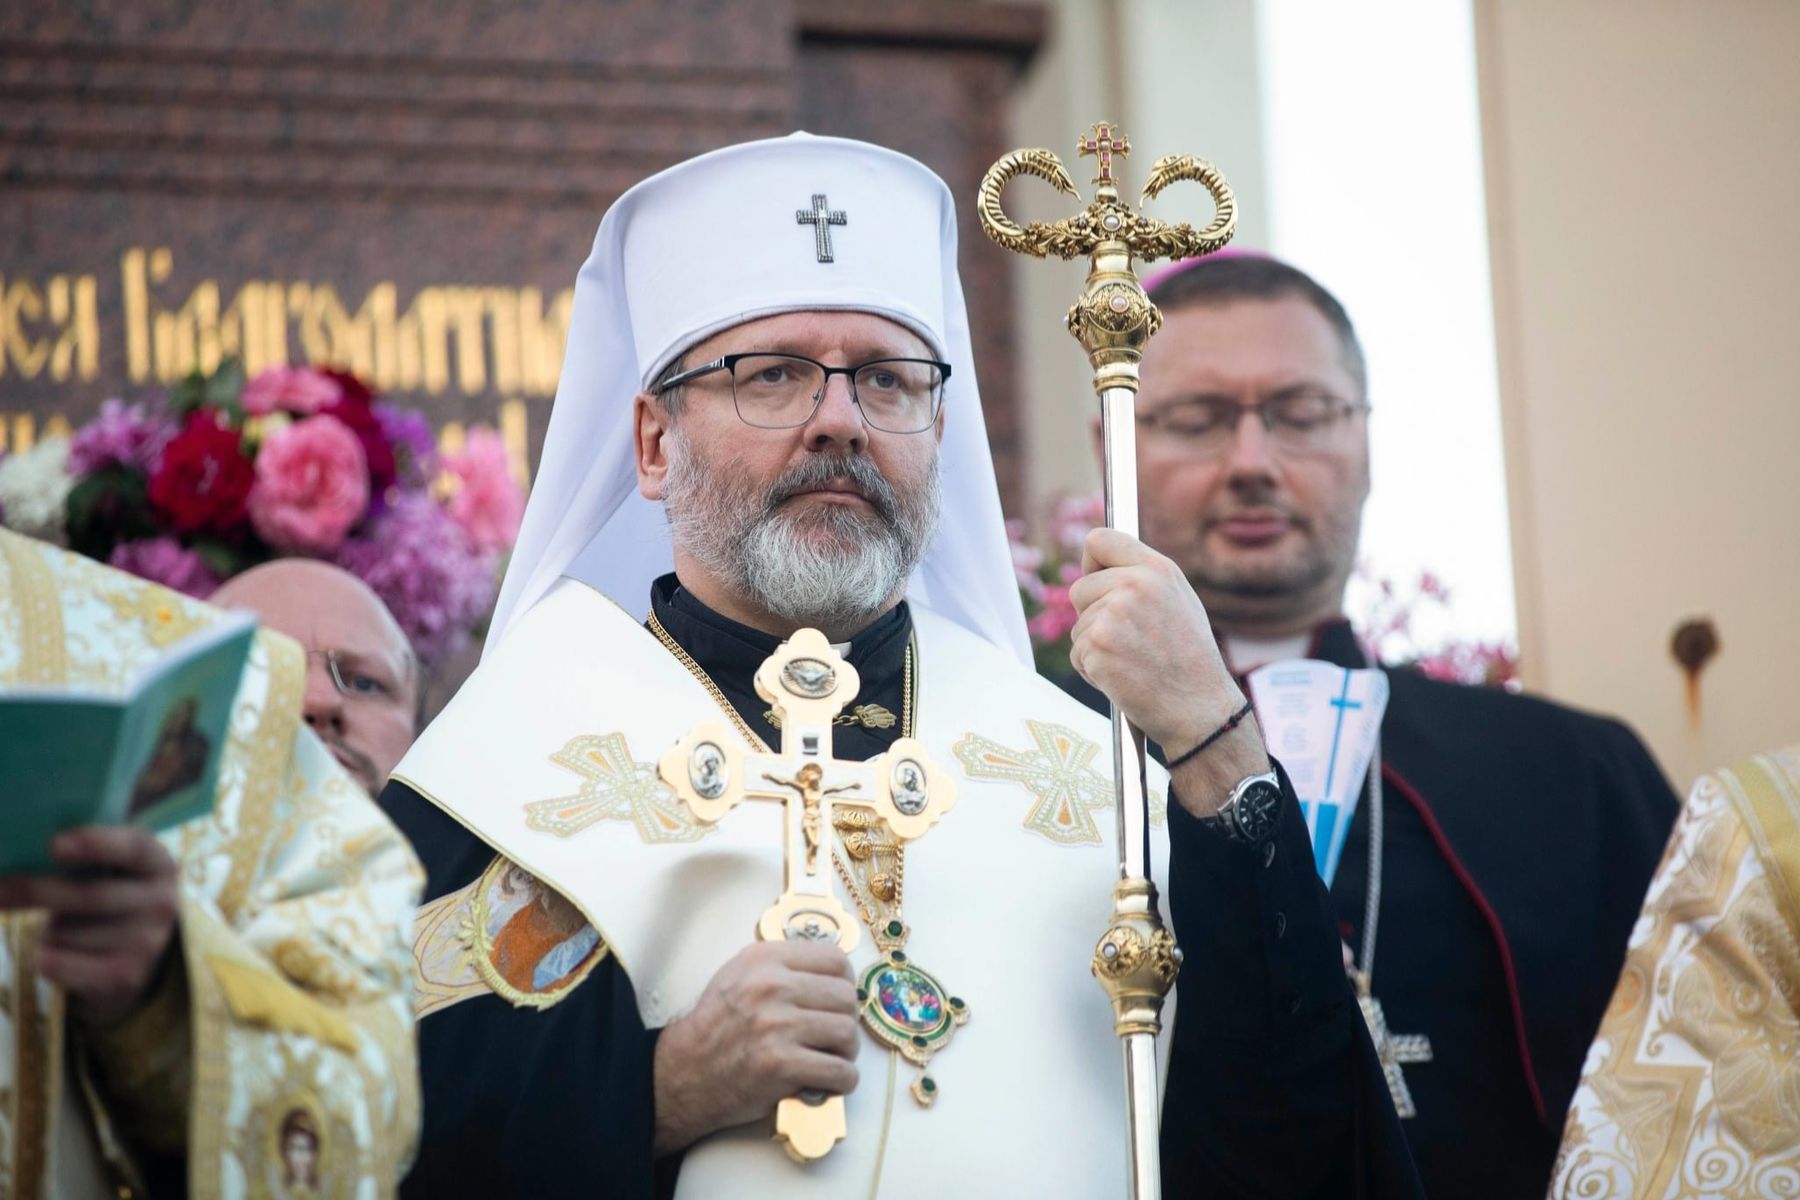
(808, 683)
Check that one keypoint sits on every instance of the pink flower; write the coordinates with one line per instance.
(1057, 619)
(421, 564)
(121, 435)
(298, 390)
(486, 503)
(1072, 519)
(312, 485)
(164, 560)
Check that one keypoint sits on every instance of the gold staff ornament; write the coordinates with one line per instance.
(1136, 959)
(711, 770)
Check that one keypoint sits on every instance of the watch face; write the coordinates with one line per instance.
(1258, 810)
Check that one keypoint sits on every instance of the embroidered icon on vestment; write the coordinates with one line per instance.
(507, 933)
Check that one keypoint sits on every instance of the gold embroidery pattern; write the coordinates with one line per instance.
(1058, 772)
(43, 653)
(614, 787)
(36, 1044)
(443, 974)
(164, 616)
(264, 766)
(1693, 1083)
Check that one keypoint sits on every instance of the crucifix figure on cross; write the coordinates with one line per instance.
(808, 683)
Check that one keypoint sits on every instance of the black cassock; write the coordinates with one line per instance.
(1274, 1089)
(1520, 836)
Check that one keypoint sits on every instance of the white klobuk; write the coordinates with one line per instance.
(1006, 896)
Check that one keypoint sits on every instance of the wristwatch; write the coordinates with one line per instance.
(1252, 811)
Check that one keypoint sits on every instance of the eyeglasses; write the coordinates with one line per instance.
(352, 680)
(782, 391)
(1298, 422)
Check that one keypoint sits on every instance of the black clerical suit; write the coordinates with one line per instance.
(1520, 836)
(1274, 1090)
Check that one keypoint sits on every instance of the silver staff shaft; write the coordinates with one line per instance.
(1118, 422)
(1136, 960)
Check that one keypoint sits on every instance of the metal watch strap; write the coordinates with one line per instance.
(1227, 819)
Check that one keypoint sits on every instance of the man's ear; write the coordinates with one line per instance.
(650, 426)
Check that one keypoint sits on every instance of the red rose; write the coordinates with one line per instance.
(354, 389)
(204, 478)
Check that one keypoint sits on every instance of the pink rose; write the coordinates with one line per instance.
(1056, 620)
(486, 503)
(312, 485)
(298, 390)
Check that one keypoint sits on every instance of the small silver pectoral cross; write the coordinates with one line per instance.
(711, 771)
(821, 218)
(1393, 1049)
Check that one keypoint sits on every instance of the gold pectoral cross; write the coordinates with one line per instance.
(808, 684)
(1393, 1049)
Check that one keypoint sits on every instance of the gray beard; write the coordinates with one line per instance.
(833, 568)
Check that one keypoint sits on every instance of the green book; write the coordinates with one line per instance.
(150, 757)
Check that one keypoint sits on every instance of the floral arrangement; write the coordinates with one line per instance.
(1046, 569)
(1386, 623)
(223, 473)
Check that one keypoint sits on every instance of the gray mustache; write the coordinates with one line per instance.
(817, 472)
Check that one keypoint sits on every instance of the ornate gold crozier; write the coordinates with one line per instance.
(1136, 959)
(808, 684)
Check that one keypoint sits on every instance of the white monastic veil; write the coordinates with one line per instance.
(711, 243)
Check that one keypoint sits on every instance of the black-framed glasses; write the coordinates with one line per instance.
(1303, 421)
(781, 391)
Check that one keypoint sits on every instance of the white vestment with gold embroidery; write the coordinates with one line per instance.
(1692, 1086)
(296, 897)
(548, 753)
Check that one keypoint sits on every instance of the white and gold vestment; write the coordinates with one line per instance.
(549, 754)
(1692, 1087)
(279, 1059)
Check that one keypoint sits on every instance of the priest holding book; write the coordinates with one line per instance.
(219, 1007)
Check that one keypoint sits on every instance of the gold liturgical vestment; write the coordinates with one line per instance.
(1692, 1087)
(278, 1057)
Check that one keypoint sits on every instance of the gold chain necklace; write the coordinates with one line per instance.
(869, 716)
(864, 841)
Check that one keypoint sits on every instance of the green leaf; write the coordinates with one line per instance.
(223, 558)
(108, 507)
(226, 386)
(189, 394)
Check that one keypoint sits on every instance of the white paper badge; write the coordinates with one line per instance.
(1322, 721)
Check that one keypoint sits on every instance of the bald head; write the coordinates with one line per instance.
(362, 679)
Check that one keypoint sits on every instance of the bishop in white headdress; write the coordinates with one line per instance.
(768, 421)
